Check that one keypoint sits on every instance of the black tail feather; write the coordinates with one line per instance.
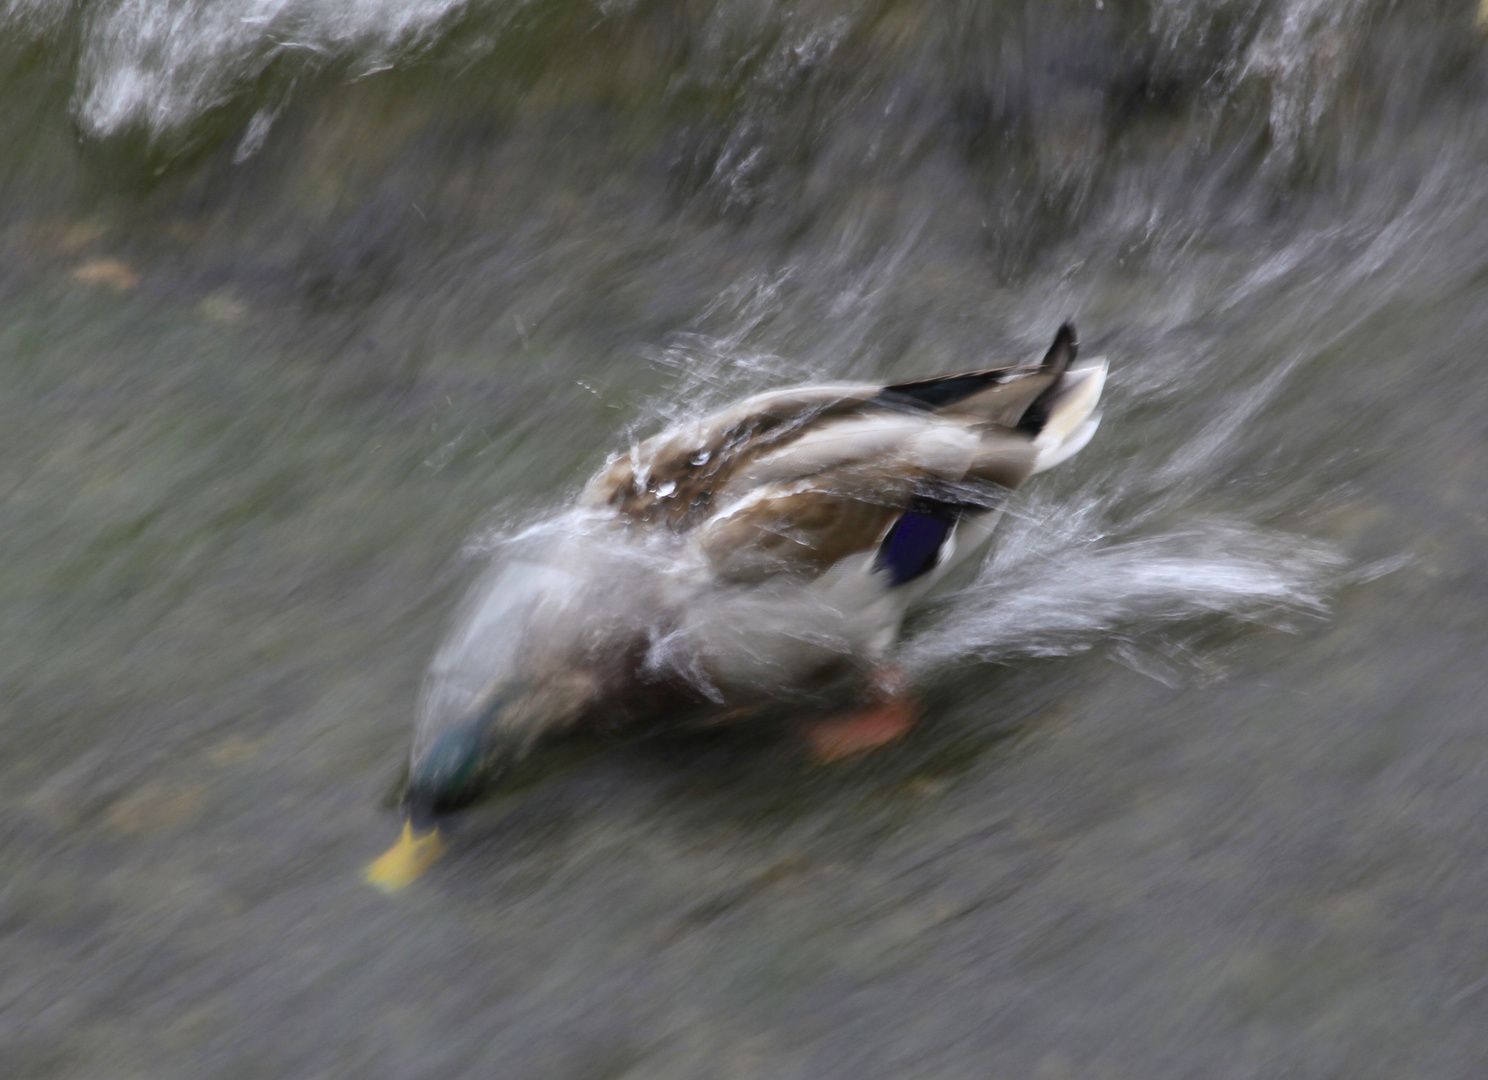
(1061, 353)
(1056, 362)
(943, 390)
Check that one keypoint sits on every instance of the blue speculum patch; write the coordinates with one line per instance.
(913, 545)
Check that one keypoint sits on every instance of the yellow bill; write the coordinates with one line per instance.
(402, 863)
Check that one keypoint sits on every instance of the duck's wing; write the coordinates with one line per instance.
(672, 478)
(796, 481)
(841, 488)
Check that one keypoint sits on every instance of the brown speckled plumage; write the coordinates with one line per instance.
(793, 481)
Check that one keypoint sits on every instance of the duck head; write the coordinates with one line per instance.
(458, 763)
(453, 772)
(527, 659)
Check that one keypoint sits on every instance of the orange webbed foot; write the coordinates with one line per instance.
(889, 718)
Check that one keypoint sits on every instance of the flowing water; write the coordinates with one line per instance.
(301, 301)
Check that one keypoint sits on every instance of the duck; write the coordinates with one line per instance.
(758, 560)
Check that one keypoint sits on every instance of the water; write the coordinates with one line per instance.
(302, 302)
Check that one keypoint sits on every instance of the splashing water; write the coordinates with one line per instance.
(1095, 565)
(1049, 592)
(159, 65)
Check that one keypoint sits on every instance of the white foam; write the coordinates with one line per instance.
(160, 63)
(1048, 590)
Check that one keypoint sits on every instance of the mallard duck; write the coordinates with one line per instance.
(763, 555)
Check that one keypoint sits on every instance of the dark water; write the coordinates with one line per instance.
(299, 300)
